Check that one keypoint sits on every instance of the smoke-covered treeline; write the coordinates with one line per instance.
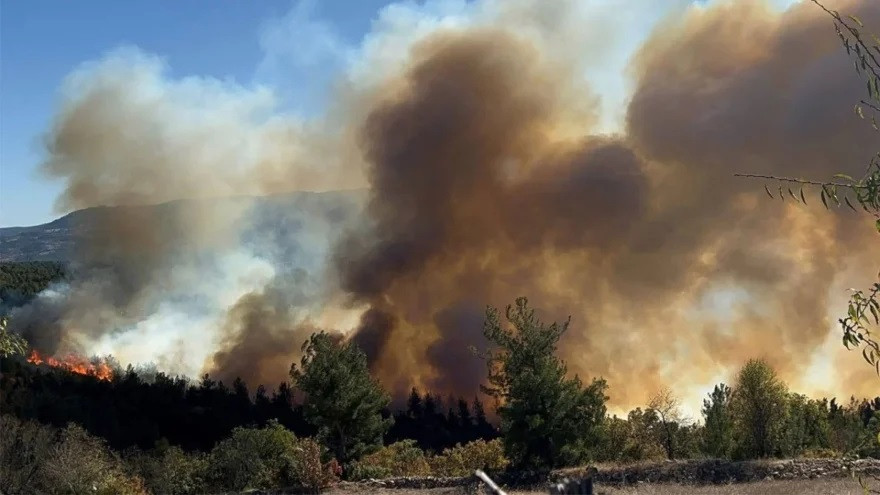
(140, 407)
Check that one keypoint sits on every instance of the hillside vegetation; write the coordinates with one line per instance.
(210, 437)
(21, 281)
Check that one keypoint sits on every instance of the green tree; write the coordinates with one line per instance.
(642, 442)
(718, 429)
(10, 343)
(342, 400)
(806, 426)
(547, 419)
(872, 447)
(758, 407)
(847, 433)
(615, 432)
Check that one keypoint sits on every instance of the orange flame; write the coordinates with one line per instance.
(74, 364)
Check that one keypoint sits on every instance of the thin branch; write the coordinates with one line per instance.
(854, 33)
(799, 181)
(870, 105)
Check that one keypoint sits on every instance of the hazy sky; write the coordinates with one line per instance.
(292, 47)
(42, 41)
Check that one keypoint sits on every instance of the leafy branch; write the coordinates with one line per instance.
(864, 191)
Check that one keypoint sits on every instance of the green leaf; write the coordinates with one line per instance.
(857, 20)
(878, 225)
(846, 199)
(822, 195)
(802, 196)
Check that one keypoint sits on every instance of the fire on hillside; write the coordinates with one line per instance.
(74, 364)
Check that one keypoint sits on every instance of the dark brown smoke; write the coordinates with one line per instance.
(259, 342)
(476, 199)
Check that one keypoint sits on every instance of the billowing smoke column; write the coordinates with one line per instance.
(481, 191)
(490, 174)
(197, 280)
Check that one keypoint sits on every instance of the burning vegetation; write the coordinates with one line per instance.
(74, 364)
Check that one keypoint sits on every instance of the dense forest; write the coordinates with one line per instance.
(140, 407)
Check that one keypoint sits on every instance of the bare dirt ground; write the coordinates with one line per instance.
(843, 486)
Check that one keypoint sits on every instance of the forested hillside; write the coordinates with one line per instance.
(21, 281)
(273, 216)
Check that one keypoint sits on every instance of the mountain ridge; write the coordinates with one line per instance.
(57, 240)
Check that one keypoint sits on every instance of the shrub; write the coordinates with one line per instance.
(463, 460)
(310, 472)
(360, 471)
(78, 463)
(41, 459)
(821, 453)
(265, 458)
(24, 446)
(170, 470)
(403, 458)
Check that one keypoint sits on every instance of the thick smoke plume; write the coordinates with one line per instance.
(493, 169)
(481, 191)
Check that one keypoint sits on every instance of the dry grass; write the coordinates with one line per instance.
(784, 487)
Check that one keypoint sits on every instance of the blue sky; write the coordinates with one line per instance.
(42, 41)
(292, 47)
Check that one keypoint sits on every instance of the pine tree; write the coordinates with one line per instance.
(414, 404)
(342, 400)
(718, 427)
(547, 419)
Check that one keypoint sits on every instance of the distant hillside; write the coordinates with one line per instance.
(276, 216)
(22, 281)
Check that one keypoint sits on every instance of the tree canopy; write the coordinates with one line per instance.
(341, 400)
(759, 403)
(547, 418)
